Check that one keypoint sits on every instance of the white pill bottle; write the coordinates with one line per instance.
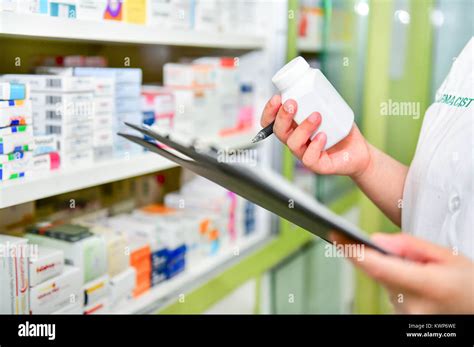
(314, 93)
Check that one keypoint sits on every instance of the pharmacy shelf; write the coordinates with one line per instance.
(66, 180)
(38, 26)
(194, 276)
(53, 183)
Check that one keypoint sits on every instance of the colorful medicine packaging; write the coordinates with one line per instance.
(48, 263)
(81, 248)
(13, 91)
(56, 293)
(14, 281)
(96, 290)
(102, 306)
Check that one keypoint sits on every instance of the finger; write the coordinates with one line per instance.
(299, 139)
(270, 110)
(393, 272)
(413, 248)
(313, 152)
(284, 123)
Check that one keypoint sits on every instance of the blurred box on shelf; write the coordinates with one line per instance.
(206, 15)
(56, 293)
(63, 8)
(15, 112)
(114, 10)
(102, 306)
(118, 257)
(93, 10)
(48, 263)
(13, 91)
(95, 290)
(81, 248)
(122, 286)
(135, 11)
(158, 107)
(15, 165)
(171, 14)
(310, 27)
(52, 83)
(14, 278)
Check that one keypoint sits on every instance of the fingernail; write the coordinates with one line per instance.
(314, 118)
(289, 107)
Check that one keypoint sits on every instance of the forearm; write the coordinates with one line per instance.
(382, 181)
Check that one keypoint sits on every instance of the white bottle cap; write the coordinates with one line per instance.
(290, 73)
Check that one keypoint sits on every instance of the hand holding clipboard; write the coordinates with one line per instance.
(262, 187)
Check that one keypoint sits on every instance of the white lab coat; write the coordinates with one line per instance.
(438, 194)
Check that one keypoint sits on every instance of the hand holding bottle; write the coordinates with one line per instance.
(350, 157)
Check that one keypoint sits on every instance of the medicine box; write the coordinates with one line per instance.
(95, 290)
(13, 91)
(88, 254)
(48, 263)
(45, 162)
(91, 9)
(102, 306)
(53, 83)
(62, 8)
(118, 256)
(15, 113)
(45, 144)
(114, 10)
(134, 11)
(14, 281)
(122, 285)
(57, 292)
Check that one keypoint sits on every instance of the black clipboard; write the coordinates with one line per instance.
(264, 188)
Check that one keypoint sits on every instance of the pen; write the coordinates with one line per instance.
(264, 133)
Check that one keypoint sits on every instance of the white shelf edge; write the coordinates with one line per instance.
(66, 180)
(28, 189)
(167, 292)
(39, 26)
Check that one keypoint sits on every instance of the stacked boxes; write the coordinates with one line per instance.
(127, 101)
(83, 250)
(63, 106)
(127, 86)
(48, 263)
(158, 108)
(58, 293)
(14, 283)
(168, 254)
(103, 119)
(226, 82)
(16, 131)
(194, 94)
(62, 8)
(140, 242)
